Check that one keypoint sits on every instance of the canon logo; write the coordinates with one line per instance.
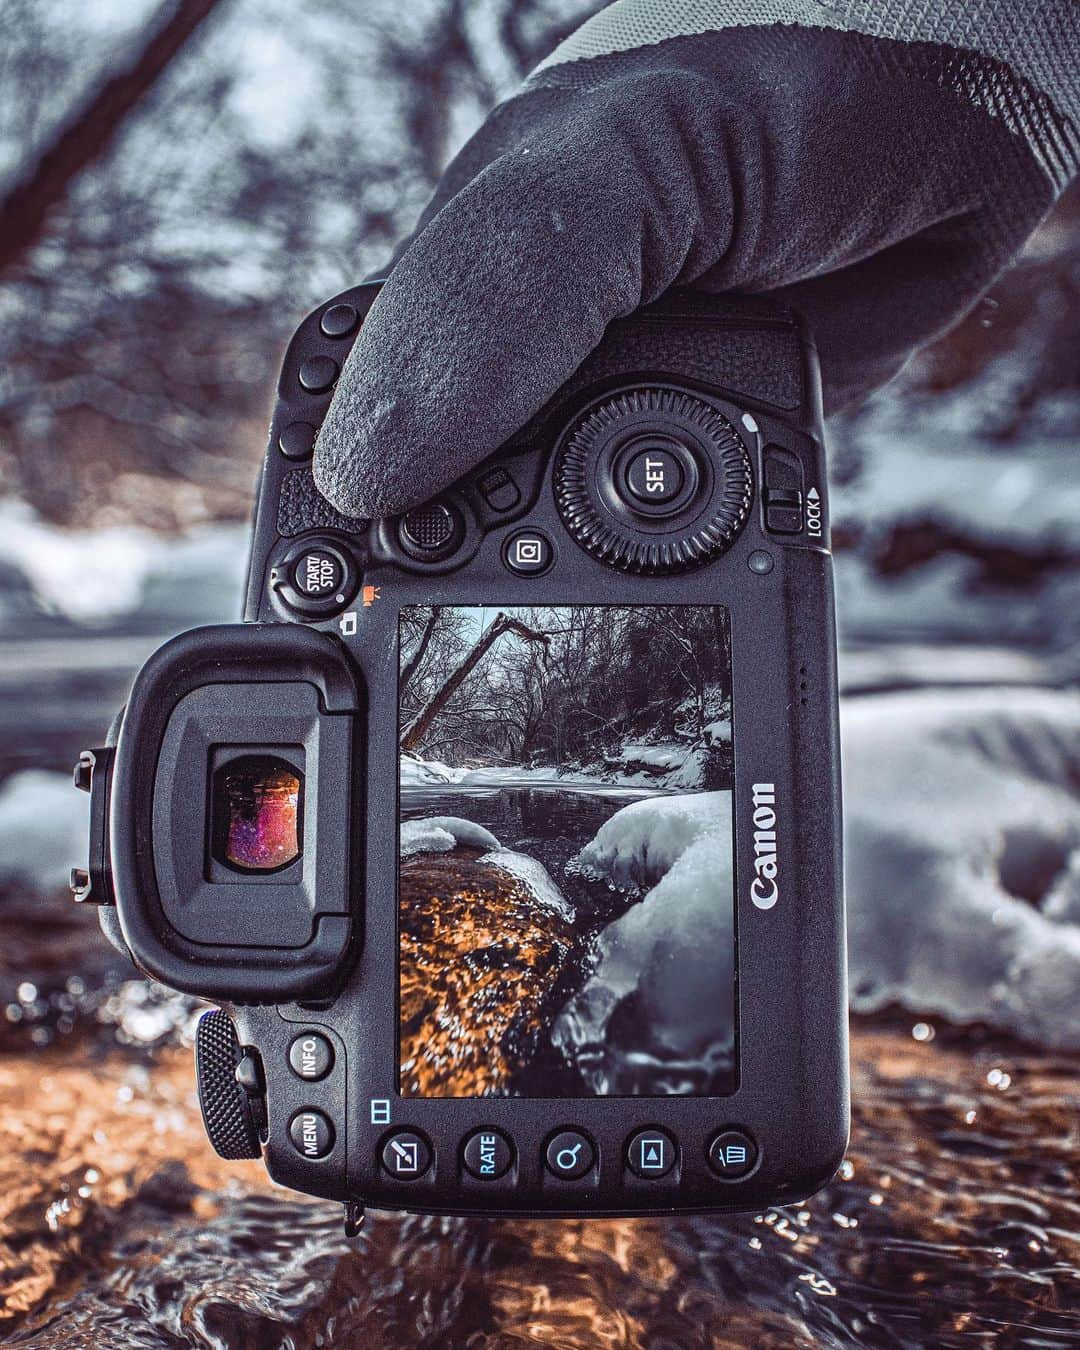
(763, 888)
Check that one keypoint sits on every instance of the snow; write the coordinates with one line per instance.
(963, 856)
(655, 756)
(417, 772)
(44, 828)
(94, 576)
(440, 834)
(636, 846)
(668, 957)
(535, 877)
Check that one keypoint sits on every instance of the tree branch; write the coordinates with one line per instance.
(90, 130)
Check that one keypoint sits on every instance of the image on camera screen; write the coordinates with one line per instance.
(566, 902)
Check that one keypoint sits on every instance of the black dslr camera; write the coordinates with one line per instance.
(507, 832)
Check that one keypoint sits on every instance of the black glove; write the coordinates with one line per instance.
(878, 180)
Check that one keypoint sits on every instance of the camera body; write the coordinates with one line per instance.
(507, 832)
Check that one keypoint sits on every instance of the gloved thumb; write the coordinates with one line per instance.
(507, 289)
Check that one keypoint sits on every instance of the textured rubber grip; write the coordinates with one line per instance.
(225, 1109)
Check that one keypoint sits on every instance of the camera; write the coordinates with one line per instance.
(506, 832)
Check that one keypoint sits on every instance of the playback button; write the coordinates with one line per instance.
(651, 1154)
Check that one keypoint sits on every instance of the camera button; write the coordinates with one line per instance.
(318, 373)
(570, 1155)
(487, 1155)
(318, 573)
(406, 1155)
(498, 489)
(733, 1154)
(651, 1154)
(297, 441)
(312, 1133)
(338, 321)
(311, 1056)
(528, 553)
(430, 530)
(654, 476)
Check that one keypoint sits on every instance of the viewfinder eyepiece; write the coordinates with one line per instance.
(257, 813)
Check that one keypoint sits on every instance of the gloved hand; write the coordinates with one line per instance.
(874, 166)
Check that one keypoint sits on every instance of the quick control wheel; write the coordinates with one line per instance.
(653, 480)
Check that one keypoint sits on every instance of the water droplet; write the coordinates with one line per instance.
(922, 1031)
(969, 1117)
(26, 992)
(846, 1170)
(877, 1198)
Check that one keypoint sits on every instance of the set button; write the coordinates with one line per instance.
(487, 1155)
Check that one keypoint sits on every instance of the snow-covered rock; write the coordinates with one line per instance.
(535, 877)
(637, 845)
(963, 856)
(440, 834)
(653, 1017)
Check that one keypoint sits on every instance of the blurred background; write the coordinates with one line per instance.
(179, 184)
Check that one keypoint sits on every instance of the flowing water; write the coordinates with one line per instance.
(953, 1221)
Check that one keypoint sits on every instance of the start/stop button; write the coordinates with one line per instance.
(317, 577)
(318, 573)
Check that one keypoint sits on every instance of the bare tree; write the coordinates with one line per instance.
(90, 129)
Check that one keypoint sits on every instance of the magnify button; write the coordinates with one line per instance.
(570, 1155)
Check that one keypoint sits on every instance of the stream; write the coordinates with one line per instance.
(514, 965)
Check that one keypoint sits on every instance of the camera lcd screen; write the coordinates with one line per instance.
(566, 900)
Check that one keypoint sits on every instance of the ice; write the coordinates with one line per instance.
(535, 877)
(44, 824)
(636, 846)
(963, 856)
(440, 834)
(663, 963)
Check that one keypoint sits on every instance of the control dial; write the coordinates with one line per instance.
(653, 480)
